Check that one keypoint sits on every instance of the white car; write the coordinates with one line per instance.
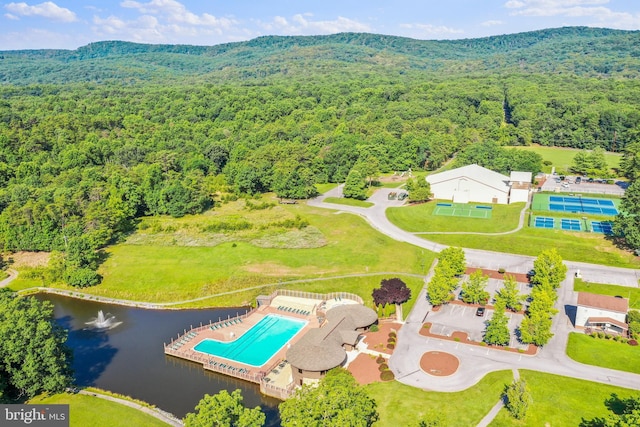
(565, 184)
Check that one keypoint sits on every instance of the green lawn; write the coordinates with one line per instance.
(399, 404)
(561, 401)
(174, 273)
(605, 353)
(362, 286)
(88, 411)
(348, 202)
(419, 218)
(585, 247)
(323, 188)
(562, 158)
(633, 294)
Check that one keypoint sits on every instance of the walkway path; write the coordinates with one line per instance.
(476, 362)
(154, 412)
(497, 407)
(12, 275)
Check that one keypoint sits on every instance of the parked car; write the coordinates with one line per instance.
(578, 180)
(480, 312)
(565, 185)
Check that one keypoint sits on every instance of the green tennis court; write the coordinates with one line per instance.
(463, 210)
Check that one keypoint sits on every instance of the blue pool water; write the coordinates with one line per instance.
(256, 346)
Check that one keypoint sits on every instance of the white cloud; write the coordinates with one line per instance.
(303, 24)
(176, 12)
(491, 23)
(47, 9)
(37, 38)
(431, 30)
(594, 9)
(10, 16)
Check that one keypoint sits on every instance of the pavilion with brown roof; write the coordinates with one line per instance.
(325, 348)
(603, 312)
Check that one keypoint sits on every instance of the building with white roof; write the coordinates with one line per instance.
(474, 183)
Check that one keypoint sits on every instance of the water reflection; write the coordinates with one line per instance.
(130, 360)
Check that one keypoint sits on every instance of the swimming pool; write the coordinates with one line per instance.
(256, 346)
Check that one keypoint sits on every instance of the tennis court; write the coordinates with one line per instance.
(543, 222)
(575, 204)
(570, 224)
(463, 210)
(604, 227)
(567, 224)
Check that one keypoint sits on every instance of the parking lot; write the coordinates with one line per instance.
(455, 317)
(551, 184)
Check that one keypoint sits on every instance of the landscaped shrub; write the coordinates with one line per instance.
(427, 325)
(374, 328)
(607, 336)
(386, 375)
(392, 334)
(391, 346)
(632, 342)
(383, 367)
(380, 360)
(601, 334)
(391, 340)
(617, 338)
(501, 270)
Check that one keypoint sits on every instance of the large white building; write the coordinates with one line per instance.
(602, 312)
(474, 183)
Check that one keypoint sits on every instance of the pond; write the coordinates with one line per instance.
(129, 357)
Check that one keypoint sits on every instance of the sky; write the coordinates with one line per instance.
(68, 24)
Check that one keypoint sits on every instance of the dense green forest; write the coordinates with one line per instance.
(92, 139)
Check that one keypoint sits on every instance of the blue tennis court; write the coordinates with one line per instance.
(604, 227)
(582, 205)
(543, 222)
(570, 224)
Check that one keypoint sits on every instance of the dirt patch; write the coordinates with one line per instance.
(493, 274)
(29, 259)
(365, 369)
(439, 364)
(392, 178)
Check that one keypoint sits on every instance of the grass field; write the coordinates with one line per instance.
(633, 294)
(348, 202)
(562, 158)
(175, 273)
(323, 188)
(605, 353)
(420, 218)
(573, 246)
(399, 403)
(88, 411)
(561, 401)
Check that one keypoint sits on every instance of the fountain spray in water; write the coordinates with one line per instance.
(103, 321)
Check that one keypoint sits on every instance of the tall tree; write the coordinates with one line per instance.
(497, 331)
(337, 400)
(456, 259)
(33, 354)
(224, 410)
(473, 290)
(518, 398)
(419, 190)
(509, 294)
(627, 223)
(549, 269)
(354, 186)
(392, 291)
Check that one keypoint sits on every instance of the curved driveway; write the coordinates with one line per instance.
(477, 361)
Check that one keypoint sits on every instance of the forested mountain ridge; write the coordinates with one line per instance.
(573, 50)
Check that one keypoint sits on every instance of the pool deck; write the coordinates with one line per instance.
(274, 376)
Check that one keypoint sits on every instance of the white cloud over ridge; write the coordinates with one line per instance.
(48, 10)
(303, 24)
(593, 9)
(431, 30)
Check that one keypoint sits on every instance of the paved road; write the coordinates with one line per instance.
(476, 362)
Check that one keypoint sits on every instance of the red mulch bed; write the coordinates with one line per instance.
(520, 277)
(439, 364)
(425, 331)
(365, 369)
(377, 341)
